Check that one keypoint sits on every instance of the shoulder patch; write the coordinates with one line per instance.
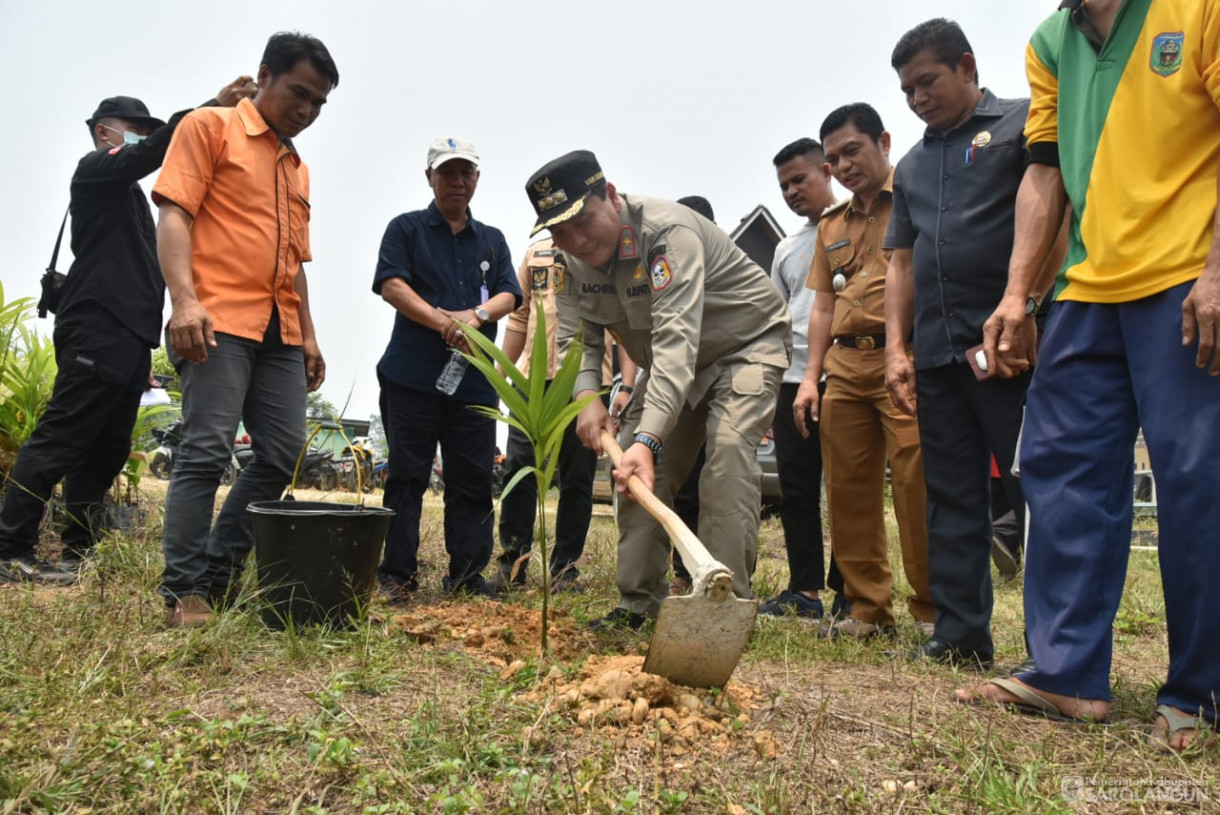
(661, 274)
(538, 282)
(559, 274)
(833, 208)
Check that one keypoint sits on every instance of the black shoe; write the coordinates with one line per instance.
(397, 592)
(475, 587)
(500, 582)
(937, 650)
(841, 607)
(619, 619)
(566, 583)
(792, 603)
(27, 570)
(1007, 559)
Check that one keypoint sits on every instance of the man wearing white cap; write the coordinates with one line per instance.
(438, 267)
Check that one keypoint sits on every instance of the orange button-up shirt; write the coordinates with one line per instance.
(248, 193)
(849, 241)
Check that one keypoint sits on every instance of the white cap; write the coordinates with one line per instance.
(449, 148)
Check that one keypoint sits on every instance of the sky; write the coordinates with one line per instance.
(674, 98)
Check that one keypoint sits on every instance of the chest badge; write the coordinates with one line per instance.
(559, 273)
(981, 139)
(1166, 58)
(661, 273)
(627, 246)
(839, 282)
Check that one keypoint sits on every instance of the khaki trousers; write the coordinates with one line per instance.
(732, 419)
(860, 429)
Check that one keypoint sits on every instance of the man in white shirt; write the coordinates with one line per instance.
(804, 180)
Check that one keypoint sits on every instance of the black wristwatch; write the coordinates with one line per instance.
(651, 443)
(1031, 306)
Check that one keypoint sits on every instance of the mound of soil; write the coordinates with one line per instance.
(498, 633)
(614, 693)
(611, 693)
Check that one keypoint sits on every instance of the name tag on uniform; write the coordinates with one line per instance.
(840, 245)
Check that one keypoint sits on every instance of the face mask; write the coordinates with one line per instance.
(128, 136)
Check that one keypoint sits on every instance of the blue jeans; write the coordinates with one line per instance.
(264, 384)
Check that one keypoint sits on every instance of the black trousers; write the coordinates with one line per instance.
(962, 423)
(414, 423)
(84, 437)
(518, 509)
(799, 462)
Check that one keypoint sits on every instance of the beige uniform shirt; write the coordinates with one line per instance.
(682, 299)
(849, 241)
(537, 278)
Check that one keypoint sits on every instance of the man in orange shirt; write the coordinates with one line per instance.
(233, 233)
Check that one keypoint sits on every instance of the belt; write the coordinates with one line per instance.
(867, 343)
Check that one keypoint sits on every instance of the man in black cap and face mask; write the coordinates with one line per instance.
(108, 317)
(711, 333)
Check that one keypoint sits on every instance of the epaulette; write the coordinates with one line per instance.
(833, 208)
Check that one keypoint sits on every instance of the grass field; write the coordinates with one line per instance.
(445, 706)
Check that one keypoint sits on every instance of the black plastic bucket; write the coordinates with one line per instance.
(317, 561)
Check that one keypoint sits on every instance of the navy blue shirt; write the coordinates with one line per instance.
(446, 270)
(955, 197)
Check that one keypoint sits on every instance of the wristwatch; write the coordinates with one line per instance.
(1031, 306)
(652, 444)
(483, 316)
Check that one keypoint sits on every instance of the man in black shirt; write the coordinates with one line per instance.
(951, 234)
(109, 316)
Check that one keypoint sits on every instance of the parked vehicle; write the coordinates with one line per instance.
(168, 438)
(357, 460)
(161, 464)
(318, 470)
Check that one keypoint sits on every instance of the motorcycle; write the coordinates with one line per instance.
(359, 456)
(318, 470)
(162, 461)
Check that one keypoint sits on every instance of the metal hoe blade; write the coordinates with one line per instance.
(698, 641)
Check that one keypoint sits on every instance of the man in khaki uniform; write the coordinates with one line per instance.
(860, 426)
(542, 267)
(712, 336)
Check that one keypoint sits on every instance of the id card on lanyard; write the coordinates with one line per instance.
(485, 267)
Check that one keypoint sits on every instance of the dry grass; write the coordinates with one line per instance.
(101, 711)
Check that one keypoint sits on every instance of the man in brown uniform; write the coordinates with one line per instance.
(712, 337)
(860, 426)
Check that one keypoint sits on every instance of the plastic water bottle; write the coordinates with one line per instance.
(451, 375)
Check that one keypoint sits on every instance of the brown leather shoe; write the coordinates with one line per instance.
(191, 611)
